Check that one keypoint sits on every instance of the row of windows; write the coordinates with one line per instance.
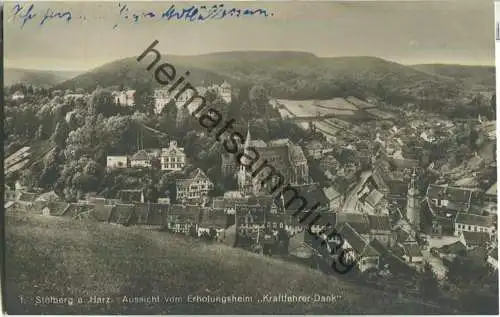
(472, 228)
(174, 159)
(173, 165)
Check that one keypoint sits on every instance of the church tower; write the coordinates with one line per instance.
(244, 174)
(413, 204)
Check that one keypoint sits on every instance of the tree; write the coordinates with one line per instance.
(428, 284)
(102, 102)
(259, 99)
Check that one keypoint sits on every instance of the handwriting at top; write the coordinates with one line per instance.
(26, 12)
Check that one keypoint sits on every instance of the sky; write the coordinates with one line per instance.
(407, 32)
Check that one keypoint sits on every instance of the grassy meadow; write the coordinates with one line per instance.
(52, 256)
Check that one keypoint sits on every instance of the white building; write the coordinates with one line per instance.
(224, 91)
(117, 161)
(140, 159)
(125, 98)
(162, 98)
(18, 95)
(172, 158)
(473, 223)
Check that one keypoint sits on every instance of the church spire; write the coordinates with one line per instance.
(412, 189)
(247, 140)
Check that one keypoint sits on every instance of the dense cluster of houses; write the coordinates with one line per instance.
(382, 216)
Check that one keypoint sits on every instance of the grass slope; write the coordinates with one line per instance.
(52, 256)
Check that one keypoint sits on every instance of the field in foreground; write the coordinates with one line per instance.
(51, 256)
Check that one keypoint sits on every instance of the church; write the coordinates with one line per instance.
(287, 159)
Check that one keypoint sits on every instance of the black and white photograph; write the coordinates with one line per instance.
(250, 158)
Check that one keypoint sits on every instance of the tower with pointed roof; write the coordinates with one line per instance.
(244, 174)
(413, 204)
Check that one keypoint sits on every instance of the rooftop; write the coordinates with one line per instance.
(473, 219)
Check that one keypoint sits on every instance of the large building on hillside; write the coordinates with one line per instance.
(172, 158)
(285, 157)
(124, 98)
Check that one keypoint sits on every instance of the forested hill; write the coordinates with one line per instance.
(294, 75)
(478, 75)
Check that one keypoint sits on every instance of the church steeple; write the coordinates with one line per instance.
(248, 138)
(244, 179)
(413, 204)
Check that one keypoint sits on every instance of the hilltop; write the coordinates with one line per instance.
(34, 77)
(63, 257)
(473, 75)
(292, 75)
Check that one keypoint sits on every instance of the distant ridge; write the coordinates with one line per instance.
(293, 75)
(35, 77)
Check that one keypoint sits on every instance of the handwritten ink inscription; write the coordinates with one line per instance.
(25, 12)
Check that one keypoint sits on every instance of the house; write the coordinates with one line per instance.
(117, 161)
(411, 252)
(162, 98)
(473, 223)
(316, 149)
(372, 202)
(48, 196)
(224, 91)
(172, 158)
(122, 214)
(380, 229)
(194, 187)
(444, 198)
(474, 239)
(493, 258)
(182, 218)
(358, 248)
(336, 199)
(18, 95)
(140, 159)
(124, 98)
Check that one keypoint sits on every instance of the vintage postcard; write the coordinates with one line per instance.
(326, 158)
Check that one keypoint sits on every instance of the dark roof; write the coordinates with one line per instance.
(473, 219)
(74, 209)
(494, 253)
(379, 222)
(454, 248)
(412, 249)
(130, 195)
(57, 208)
(140, 156)
(476, 238)
(122, 214)
(25, 196)
(313, 195)
(455, 194)
(379, 247)
(352, 237)
(404, 163)
(213, 218)
(102, 213)
(357, 221)
(183, 213)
